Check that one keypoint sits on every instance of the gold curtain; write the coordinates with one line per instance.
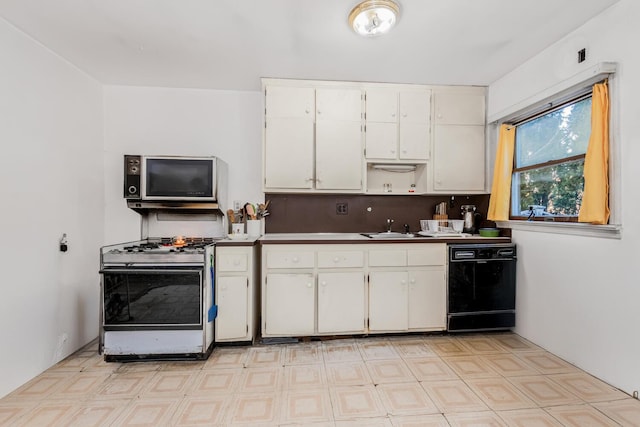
(595, 200)
(500, 200)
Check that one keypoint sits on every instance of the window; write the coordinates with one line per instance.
(550, 148)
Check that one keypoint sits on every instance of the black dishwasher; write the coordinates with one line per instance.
(482, 287)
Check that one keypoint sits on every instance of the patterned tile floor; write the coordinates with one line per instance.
(470, 380)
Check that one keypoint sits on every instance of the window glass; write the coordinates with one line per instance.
(555, 135)
(549, 162)
(552, 190)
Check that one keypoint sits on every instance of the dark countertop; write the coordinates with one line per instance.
(246, 241)
(357, 238)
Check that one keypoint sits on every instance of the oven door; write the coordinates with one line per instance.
(152, 298)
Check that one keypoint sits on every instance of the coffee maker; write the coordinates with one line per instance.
(470, 218)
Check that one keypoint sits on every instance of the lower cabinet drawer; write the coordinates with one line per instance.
(290, 260)
(340, 259)
(231, 262)
(388, 258)
(434, 254)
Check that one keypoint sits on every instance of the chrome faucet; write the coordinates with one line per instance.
(389, 223)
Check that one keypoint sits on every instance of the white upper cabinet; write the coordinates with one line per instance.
(288, 154)
(397, 124)
(382, 105)
(343, 105)
(459, 141)
(290, 102)
(289, 134)
(338, 139)
(455, 108)
(313, 139)
(341, 137)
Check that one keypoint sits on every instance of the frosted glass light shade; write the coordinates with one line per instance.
(374, 17)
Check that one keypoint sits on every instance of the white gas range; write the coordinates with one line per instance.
(157, 299)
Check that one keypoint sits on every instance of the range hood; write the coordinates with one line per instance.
(144, 206)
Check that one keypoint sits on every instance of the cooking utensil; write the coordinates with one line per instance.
(251, 211)
(231, 216)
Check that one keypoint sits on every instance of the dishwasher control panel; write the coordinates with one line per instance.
(482, 251)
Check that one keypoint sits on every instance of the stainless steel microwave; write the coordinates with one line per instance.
(173, 178)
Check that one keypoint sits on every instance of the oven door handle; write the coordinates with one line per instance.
(149, 270)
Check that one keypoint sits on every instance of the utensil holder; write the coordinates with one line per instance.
(253, 227)
(443, 220)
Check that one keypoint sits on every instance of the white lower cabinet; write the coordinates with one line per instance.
(235, 293)
(407, 300)
(353, 288)
(233, 306)
(388, 301)
(341, 302)
(289, 306)
(427, 299)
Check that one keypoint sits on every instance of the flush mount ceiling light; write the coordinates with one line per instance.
(374, 17)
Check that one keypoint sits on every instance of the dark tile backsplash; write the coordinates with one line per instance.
(318, 213)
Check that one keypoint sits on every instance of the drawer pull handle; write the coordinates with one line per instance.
(336, 259)
(295, 259)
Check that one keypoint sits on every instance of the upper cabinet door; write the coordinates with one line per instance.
(338, 155)
(382, 140)
(339, 104)
(459, 109)
(382, 105)
(288, 153)
(415, 107)
(291, 102)
(462, 146)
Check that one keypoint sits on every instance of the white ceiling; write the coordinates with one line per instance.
(230, 44)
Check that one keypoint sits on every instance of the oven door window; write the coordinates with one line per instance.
(152, 297)
(482, 286)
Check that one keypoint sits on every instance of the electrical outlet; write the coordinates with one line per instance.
(237, 205)
(342, 208)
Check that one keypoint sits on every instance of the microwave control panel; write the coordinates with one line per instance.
(132, 166)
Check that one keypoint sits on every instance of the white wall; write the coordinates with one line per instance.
(51, 176)
(162, 121)
(579, 297)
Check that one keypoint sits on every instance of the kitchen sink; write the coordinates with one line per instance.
(389, 235)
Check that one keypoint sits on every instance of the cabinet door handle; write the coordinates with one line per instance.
(324, 283)
(412, 281)
(309, 285)
(306, 111)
